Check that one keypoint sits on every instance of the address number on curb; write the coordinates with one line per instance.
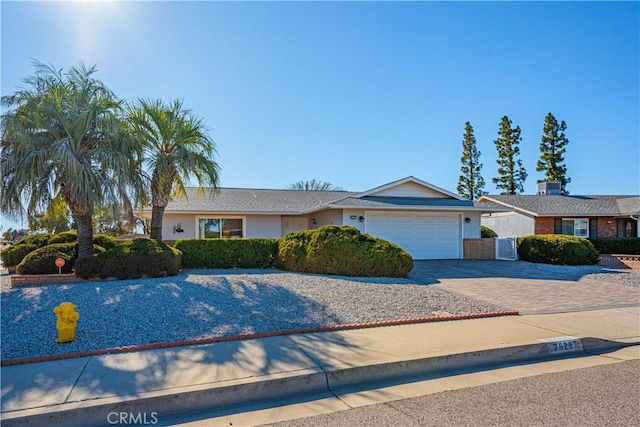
(563, 345)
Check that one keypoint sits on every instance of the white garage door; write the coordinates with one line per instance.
(424, 236)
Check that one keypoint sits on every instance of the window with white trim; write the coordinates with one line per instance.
(575, 226)
(220, 228)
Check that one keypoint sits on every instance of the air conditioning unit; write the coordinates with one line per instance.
(549, 188)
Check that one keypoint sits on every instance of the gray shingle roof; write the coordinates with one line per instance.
(390, 202)
(551, 205)
(236, 200)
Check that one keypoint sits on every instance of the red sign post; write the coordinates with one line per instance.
(60, 262)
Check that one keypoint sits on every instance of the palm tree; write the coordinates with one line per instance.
(61, 138)
(174, 147)
(313, 185)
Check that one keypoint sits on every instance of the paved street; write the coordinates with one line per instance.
(606, 395)
(522, 286)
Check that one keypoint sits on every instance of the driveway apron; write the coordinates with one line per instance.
(526, 287)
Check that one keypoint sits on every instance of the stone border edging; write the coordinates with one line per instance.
(198, 341)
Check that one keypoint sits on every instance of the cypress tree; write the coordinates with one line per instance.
(470, 183)
(511, 174)
(552, 149)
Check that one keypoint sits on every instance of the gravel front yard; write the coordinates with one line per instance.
(211, 303)
(214, 303)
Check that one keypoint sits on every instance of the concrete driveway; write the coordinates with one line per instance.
(528, 287)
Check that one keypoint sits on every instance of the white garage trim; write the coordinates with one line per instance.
(423, 235)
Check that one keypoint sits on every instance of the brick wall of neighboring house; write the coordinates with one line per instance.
(544, 225)
(479, 248)
(607, 227)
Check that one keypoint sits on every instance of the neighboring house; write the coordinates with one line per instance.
(551, 213)
(426, 221)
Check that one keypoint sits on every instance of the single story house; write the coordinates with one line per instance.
(549, 212)
(427, 221)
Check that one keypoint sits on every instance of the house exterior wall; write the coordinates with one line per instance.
(607, 227)
(185, 220)
(510, 224)
(544, 226)
(471, 229)
(479, 248)
(346, 218)
(291, 223)
(409, 189)
(263, 226)
(325, 217)
(254, 225)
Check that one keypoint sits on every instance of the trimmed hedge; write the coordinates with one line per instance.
(487, 233)
(557, 249)
(131, 260)
(228, 253)
(615, 245)
(15, 253)
(342, 250)
(42, 260)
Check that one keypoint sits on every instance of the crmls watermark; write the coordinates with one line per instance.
(129, 418)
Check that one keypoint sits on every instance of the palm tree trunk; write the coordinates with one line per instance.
(157, 213)
(85, 235)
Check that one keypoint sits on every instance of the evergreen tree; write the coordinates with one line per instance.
(470, 183)
(552, 148)
(511, 174)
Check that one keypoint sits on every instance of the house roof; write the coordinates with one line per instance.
(553, 205)
(420, 203)
(254, 200)
(406, 193)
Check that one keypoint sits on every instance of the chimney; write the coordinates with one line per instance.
(549, 188)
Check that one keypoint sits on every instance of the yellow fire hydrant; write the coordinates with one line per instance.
(67, 321)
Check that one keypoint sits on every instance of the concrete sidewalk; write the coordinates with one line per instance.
(86, 391)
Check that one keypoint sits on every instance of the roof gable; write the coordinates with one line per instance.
(409, 187)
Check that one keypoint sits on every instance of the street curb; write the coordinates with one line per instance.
(180, 400)
(155, 346)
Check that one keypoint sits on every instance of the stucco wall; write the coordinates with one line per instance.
(263, 226)
(471, 229)
(254, 225)
(357, 213)
(188, 225)
(509, 224)
(326, 217)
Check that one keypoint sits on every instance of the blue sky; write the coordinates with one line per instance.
(362, 93)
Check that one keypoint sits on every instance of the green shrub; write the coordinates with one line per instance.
(105, 241)
(64, 237)
(557, 249)
(40, 240)
(228, 253)
(131, 260)
(487, 233)
(42, 260)
(614, 245)
(15, 253)
(342, 250)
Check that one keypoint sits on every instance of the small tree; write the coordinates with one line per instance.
(552, 150)
(313, 185)
(511, 174)
(176, 148)
(470, 183)
(61, 138)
